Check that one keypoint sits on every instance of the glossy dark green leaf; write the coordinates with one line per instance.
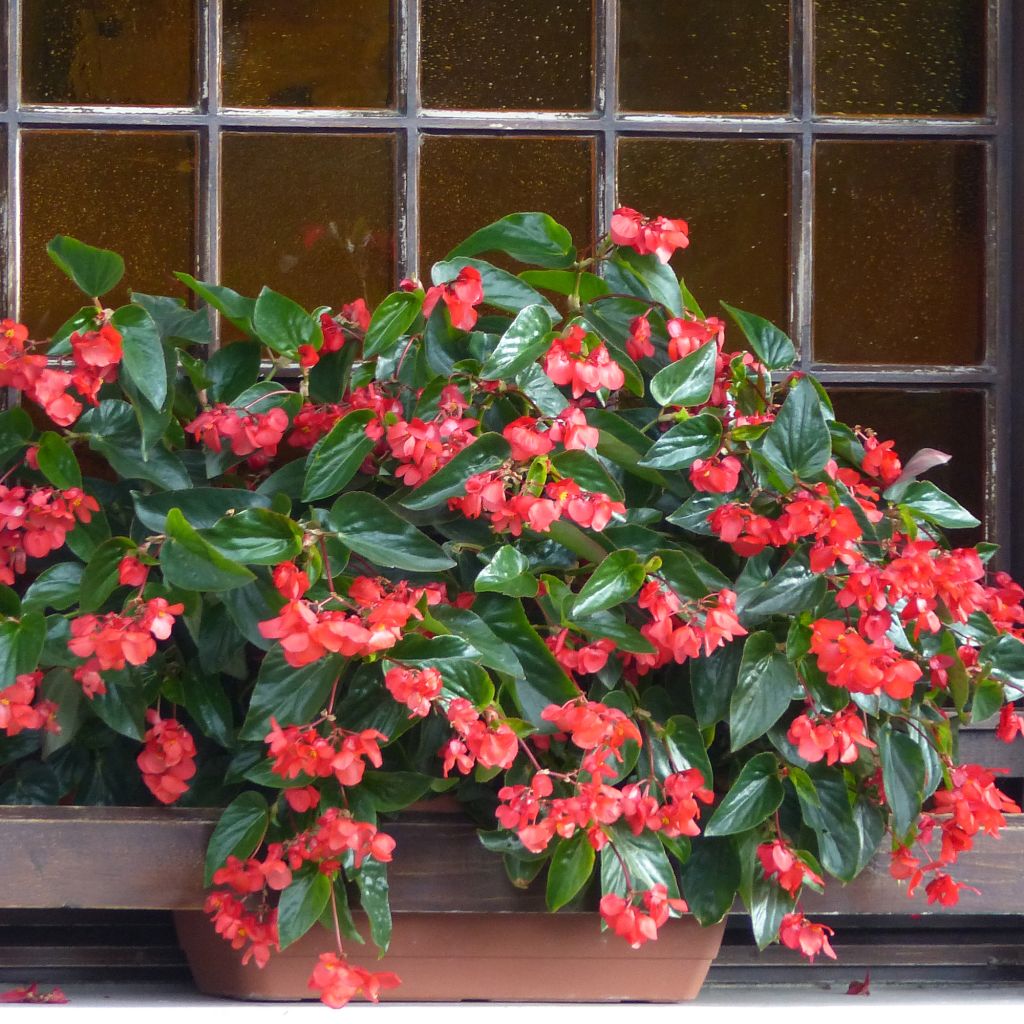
(390, 320)
(461, 675)
(682, 747)
(687, 381)
(201, 506)
(238, 309)
(192, 563)
(988, 699)
(696, 438)
(206, 699)
(486, 453)
(903, 777)
(122, 707)
(508, 572)
(336, 458)
(689, 574)
(283, 325)
(93, 270)
(645, 859)
(57, 461)
(766, 686)
(233, 369)
(239, 831)
(646, 276)
(771, 345)
(615, 580)
(100, 578)
(1005, 656)
(176, 322)
(571, 867)
(752, 798)
(566, 282)
(769, 903)
(522, 344)
(527, 237)
(798, 444)
(300, 906)
(372, 879)
(56, 587)
(711, 878)
(587, 472)
(793, 589)
(142, 357)
(394, 791)
(256, 536)
(371, 529)
(21, 643)
(460, 622)
(830, 814)
(926, 501)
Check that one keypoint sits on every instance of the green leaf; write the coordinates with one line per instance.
(1005, 656)
(527, 237)
(502, 290)
(232, 369)
(462, 677)
(696, 438)
(256, 536)
(142, 353)
(926, 501)
(394, 791)
(85, 538)
(587, 471)
(830, 814)
(123, 707)
(570, 870)
(238, 309)
(300, 906)
(771, 346)
(21, 643)
(798, 444)
(769, 903)
(57, 461)
(752, 799)
(390, 320)
(508, 572)
(239, 832)
(767, 685)
(689, 574)
(486, 453)
(371, 529)
(687, 381)
(522, 344)
(564, 282)
(615, 580)
(201, 506)
(793, 589)
(903, 777)
(461, 622)
(682, 747)
(988, 699)
(206, 700)
(293, 696)
(175, 321)
(711, 878)
(93, 270)
(372, 879)
(645, 276)
(283, 325)
(192, 563)
(100, 578)
(336, 458)
(56, 588)
(645, 858)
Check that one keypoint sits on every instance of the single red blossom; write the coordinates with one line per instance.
(1011, 723)
(415, 688)
(358, 313)
(168, 760)
(308, 356)
(716, 475)
(338, 981)
(638, 344)
(571, 430)
(830, 739)
(780, 862)
(658, 235)
(460, 295)
(525, 440)
(131, 572)
(808, 938)
(881, 461)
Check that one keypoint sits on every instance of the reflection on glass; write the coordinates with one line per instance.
(117, 52)
(468, 181)
(490, 55)
(133, 192)
(951, 421)
(704, 56)
(900, 57)
(899, 257)
(307, 53)
(310, 215)
(734, 194)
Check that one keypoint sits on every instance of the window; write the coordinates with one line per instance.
(845, 165)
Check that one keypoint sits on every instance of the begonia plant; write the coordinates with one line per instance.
(542, 539)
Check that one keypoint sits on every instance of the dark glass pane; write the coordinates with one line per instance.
(951, 421)
(900, 57)
(133, 192)
(109, 51)
(490, 55)
(899, 260)
(704, 56)
(468, 181)
(735, 196)
(307, 53)
(311, 215)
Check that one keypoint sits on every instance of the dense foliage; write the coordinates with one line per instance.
(542, 540)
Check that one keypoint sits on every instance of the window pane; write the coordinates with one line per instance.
(311, 215)
(951, 421)
(480, 55)
(704, 56)
(735, 196)
(307, 53)
(900, 57)
(109, 51)
(133, 192)
(468, 181)
(899, 235)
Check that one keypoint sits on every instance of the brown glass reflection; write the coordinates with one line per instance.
(704, 56)
(133, 192)
(951, 421)
(311, 215)
(492, 55)
(109, 51)
(734, 194)
(468, 181)
(900, 57)
(307, 53)
(899, 259)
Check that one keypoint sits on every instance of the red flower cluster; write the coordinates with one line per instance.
(570, 361)
(881, 461)
(832, 739)
(34, 521)
(20, 710)
(805, 936)
(235, 923)
(678, 815)
(255, 434)
(638, 344)
(716, 475)
(306, 752)
(859, 666)
(483, 739)
(338, 981)
(626, 919)
(687, 334)
(780, 862)
(421, 448)
(582, 658)
(646, 235)
(111, 641)
(460, 296)
(168, 760)
(415, 688)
